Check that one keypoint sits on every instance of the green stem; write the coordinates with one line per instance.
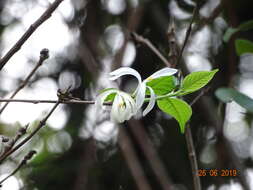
(177, 93)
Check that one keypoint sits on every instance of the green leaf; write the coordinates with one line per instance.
(243, 46)
(224, 94)
(178, 109)
(242, 27)
(196, 80)
(229, 94)
(162, 85)
(229, 32)
(248, 25)
(110, 97)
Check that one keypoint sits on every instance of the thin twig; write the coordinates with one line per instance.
(202, 93)
(188, 134)
(71, 101)
(22, 163)
(192, 158)
(188, 32)
(208, 20)
(11, 142)
(40, 125)
(43, 56)
(145, 41)
(17, 46)
(190, 146)
(33, 101)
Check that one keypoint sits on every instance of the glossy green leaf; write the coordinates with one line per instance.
(229, 94)
(178, 109)
(196, 80)
(162, 85)
(243, 46)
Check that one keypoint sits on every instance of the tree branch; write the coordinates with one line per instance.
(208, 20)
(43, 56)
(40, 125)
(188, 33)
(132, 161)
(145, 41)
(22, 163)
(33, 101)
(151, 154)
(17, 46)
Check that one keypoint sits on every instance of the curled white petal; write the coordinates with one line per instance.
(123, 107)
(124, 71)
(140, 94)
(101, 97)
(161, 73)
(131, 101)
(116, 116)
(151, 103)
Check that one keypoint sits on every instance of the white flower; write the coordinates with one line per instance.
(123, 106)
(141, 88)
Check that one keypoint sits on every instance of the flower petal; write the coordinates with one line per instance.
(140, 95)
(116, 116)
(151, 103)
(101, 97)
(161, 73)
(130, 103)
(124, 71)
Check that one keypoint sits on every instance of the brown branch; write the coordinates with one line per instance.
(33, 101)
(188, 134)
(192, 158)
(70, 101)
(151, 154)
(40, 125)
(145, 41)
(202, 93)
(11, 142)
(22, 163)
(132, 161)
(208, 20)
(17, 46)
(188, 32)
(43, 56)
(190, 146)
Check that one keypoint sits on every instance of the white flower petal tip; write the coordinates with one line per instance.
(161, 73)
(151, 103)
(140, 95)
(124, 71)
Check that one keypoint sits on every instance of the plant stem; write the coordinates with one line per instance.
(40, 125)
(43, 56)
(17, 46)
(22, 163)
